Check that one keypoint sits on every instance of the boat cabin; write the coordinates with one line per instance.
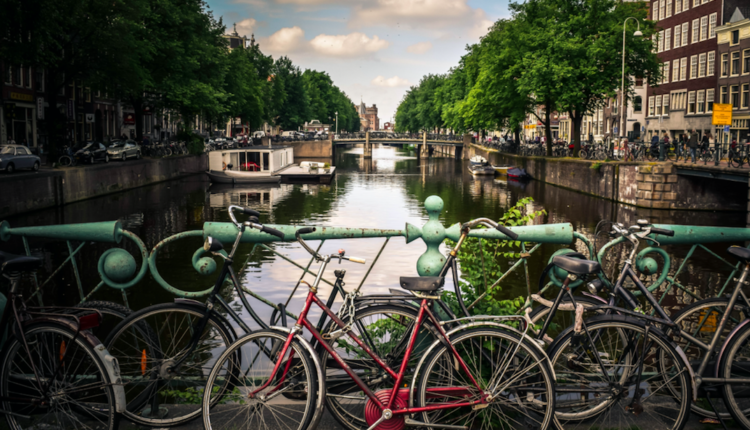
(264, 160)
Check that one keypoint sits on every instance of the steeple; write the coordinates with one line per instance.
(235, 30)
(252, 40)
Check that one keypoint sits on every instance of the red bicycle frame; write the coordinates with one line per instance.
(424, 312)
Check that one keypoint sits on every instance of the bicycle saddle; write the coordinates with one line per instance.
(18, 263)
(422, 283)
(740, 252)
(576, 266)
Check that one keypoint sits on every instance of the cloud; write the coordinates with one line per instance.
(390, 82)
(419, 48)
(347, 45)
(313, 2)
(246, 26)
(284, 41)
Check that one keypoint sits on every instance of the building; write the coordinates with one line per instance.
(686, 45)
(733, 83)
(389, 126)
(368, 117)
(20, 109)
(316, 126)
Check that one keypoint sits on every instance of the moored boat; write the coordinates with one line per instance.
(502, 170)
(251, 165)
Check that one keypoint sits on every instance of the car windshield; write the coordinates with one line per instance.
(6, 150)
(117, 145)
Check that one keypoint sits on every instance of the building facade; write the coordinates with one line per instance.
(368, 117)
(733, 83)
(686, 44)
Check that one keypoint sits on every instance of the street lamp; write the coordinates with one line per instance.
(622, 91)
(337, 123)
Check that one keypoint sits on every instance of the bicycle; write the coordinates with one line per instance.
(515, 382)
(54, 373)
(67, 159)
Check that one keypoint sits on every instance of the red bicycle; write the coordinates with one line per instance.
(481, 374)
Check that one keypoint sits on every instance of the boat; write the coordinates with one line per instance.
(518, 173)
(250, 165)
(308, 172)
(477, 159)
(501, 170)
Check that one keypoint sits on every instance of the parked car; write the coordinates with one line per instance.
(259, 134)
(13, 157)
(124, 149)
(91, 152)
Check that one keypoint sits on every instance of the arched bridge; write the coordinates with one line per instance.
(426, 143)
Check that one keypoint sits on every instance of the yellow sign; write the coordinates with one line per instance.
(722, 114)
(530, 126)
(21, 96)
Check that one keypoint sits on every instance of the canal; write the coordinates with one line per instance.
(383, 192)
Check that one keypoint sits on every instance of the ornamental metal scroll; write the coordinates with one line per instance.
(116, 266)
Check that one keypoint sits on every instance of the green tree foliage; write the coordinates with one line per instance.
(552, 55)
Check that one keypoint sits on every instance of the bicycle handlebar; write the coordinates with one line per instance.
(492, 224)
(305, 230)
(662, 231)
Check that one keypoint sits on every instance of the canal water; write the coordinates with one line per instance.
(386, 191)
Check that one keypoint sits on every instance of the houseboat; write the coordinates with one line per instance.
(250, 165)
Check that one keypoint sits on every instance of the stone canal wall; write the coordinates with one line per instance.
(647, 185)
(24, 192)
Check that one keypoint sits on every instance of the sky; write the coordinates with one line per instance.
(372, 49)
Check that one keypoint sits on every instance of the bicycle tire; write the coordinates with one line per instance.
(623, 337)
(300, 390)
(112, 313)
(145, 359)
(516, 372)
(582, 154)
(83, 393)
(700, 320)
(350, 412)
(65, 161)
(733, 364)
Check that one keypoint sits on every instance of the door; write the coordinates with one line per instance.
(25, 159)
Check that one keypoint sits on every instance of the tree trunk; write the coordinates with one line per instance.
(54, 141)
(137, 103)
(548, 126)
(576, 123)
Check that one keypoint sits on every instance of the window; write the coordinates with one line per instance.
(665, 104)
(662, 15)
(696, 3)
(685, 5)
(87, 91)
(735, 37)
(734, 96)
(745, 95)
(40, 80)
(684, 34)
(677, 7)
(710, 65)
(9, 76)
(675, 70)
(724, 97)
(669, 8)
(637, 104)
(746, 61)
(735, 63)
(693, 67)
(667, 39)
(696, 34)
(17, 75)
(700, 105)
(665, 73)
(660, 43)
(651, 106)
(724, 65)
(701, 65)
(28, 77)
(655, 13)
(683, 68)
(710, 100)
(712, 25)
(677, 33)
(704, 28)
(691, 102)
(658, 105)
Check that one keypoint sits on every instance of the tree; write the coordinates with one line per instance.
(295, 109)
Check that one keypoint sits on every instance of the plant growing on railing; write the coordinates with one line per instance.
(596, 166)
(480, 263)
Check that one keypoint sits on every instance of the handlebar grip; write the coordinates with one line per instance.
(357, 260)
(662, 231)
(507, 232)
(305, 230)
(272, 231)
(248, 211)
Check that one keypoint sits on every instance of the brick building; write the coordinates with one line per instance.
(368, 117)
(733, 83)
(686, 45)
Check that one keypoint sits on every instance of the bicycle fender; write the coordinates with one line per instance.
(726, 343)
(318, 369)
(690, 370)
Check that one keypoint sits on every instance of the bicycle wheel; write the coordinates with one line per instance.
(113, 314)
(385, 329)
(590, 395)
(564, 319)
(149, 344)
(288, 402)
(74, 378)
(515, 372)
(701, 320)
(735, 363)
(65, 161)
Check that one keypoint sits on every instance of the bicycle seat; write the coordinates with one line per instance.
(18, 263)
(422, 283)
(740, 252)
(576, 266)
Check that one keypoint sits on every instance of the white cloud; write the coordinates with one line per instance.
(390, 82)
(284, 41)
(419, 48)
(313, 2)
(246, 26)
(347, 45)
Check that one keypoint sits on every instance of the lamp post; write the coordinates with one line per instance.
(337, 123)
(622, 90)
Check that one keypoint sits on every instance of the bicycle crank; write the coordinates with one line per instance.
(374, 415)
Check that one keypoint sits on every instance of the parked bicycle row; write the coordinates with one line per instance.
(122, 150)
(617, 359)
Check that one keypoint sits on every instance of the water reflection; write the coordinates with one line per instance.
(384, 191)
